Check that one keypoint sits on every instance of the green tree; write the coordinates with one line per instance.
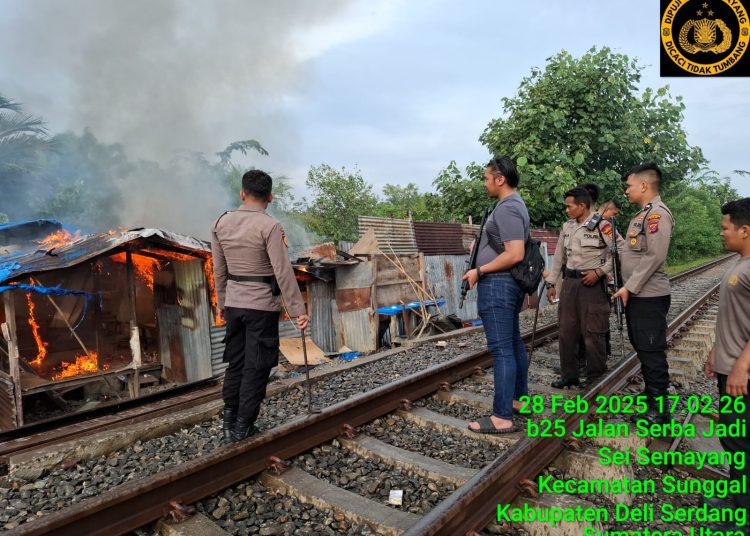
(339, 196)
(23, 142)
(583, 120)
(79, 181)
(402, 201)
(696, 205)
(283, 197)
(462, 195)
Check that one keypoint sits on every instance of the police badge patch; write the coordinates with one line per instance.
(704, 38)
(653, 224)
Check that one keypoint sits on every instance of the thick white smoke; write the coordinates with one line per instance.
(163, 76)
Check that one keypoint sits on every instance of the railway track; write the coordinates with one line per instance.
(137, 503)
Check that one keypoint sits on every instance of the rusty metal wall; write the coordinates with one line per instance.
(444, 274)
(7, 403)
(322, 328)
(439, 238)
(358, 329)
(195, 328)
(398, 234)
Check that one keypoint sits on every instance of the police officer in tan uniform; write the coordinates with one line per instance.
(252, 272)
(646, 291)
(582, 255)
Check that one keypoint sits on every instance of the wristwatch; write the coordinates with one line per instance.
(549, 285)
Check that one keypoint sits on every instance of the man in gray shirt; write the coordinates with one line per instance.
(499, 297)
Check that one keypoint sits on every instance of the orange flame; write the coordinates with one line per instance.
(208, 268)
(59, 238)
(173, 255)
(144, 266)
(40, 344)
(84, 364)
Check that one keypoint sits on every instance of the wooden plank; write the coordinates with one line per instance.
(135, 336)
(353, 299)
(9, 332)
(292, 350)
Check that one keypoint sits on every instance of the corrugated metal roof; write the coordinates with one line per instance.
(439, 238)
(468, 234)
(548, 236)
(25, 262)
(392, 234)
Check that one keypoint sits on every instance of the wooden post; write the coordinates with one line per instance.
(9, 332)
(135, 337)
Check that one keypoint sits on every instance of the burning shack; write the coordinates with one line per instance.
(101, 317)
(91, 319)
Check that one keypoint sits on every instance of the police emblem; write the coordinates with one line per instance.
(606, 228)
(704, 38)
(653, 226)
(733, 279)
(633, 241)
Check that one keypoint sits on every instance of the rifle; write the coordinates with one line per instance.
(617, 280)
(472, 260)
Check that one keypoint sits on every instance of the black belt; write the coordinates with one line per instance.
(576, 274)
(253, 278)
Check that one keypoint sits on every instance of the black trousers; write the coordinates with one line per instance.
(647, 329)
(736, 444)
(252, 350)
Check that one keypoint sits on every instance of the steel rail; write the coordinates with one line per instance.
(77, 424)
(474, 504)
(130, 415)
(138, 503)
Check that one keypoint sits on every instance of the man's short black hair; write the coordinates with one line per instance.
(648, 171)
(580, 195)
(507, 168)
(614, 201)
(738, 211)
(593, 190)
(257, 183)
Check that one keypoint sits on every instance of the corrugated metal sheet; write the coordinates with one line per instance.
(358, 330)
(444, 274)
(392, 234)
(195, 325)
(7, 403)
(25, 262)
(439, 238)
(217, 350)
(322, 331)
(468, 233)
(548, 236)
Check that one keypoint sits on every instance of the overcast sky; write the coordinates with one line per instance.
(395, 88)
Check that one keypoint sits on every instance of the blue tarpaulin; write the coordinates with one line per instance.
(7, 269)
(56, 291)
(393, 310)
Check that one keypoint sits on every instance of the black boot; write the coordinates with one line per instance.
(230, 416)
(654, 415)
(243, 428)
(561, 383)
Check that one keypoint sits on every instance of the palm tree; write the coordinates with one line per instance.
(23, 139)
